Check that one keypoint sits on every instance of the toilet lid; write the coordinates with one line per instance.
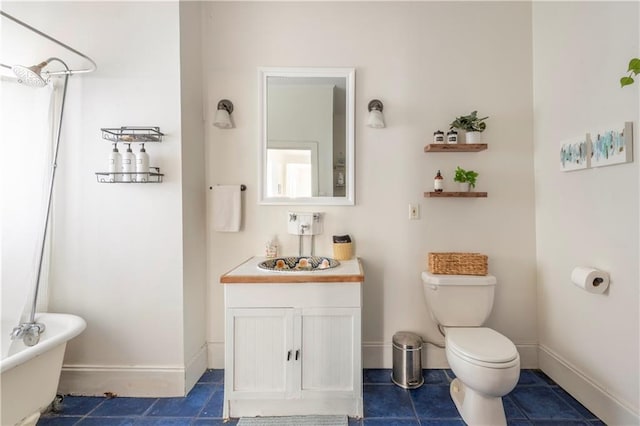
(481, 344)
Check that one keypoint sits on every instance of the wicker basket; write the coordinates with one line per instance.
(458, 263)
(342, 251)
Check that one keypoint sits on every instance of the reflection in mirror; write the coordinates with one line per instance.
(290, 168)
(307, 141)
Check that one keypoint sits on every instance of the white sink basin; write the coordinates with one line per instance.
(298, 264)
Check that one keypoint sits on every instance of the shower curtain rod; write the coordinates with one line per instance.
(48, 37)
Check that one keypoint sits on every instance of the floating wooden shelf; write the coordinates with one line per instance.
(455, 147)
(471, 194)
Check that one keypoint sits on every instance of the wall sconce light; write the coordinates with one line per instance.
(376, 119)
(223, 114)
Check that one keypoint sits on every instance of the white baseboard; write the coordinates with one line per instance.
(380, 355)
(215, 354)
(122, 380)
(590, 394)
(195, 368)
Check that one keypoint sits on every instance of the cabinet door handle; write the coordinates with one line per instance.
(297, 354)
(289, 355)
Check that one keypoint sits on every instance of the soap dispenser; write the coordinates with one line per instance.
(438, 182)
(128, 164)
(142, 165)
(115, 164)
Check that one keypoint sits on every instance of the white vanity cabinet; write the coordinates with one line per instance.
(293, 347)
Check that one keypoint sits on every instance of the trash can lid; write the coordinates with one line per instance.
(407, 340)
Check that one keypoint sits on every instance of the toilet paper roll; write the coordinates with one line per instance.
(590, 279)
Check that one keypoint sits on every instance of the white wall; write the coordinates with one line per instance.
(118, 249)
(194, 220)
(589, 343)
(427, 62)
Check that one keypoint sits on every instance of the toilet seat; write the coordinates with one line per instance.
(482, 346)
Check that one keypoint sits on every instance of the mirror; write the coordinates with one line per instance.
(307, 136)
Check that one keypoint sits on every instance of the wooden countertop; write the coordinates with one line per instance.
(249, 273)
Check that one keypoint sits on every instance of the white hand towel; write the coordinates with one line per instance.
(227, 208)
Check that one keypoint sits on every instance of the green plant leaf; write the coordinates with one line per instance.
(469, 123)
(634, 66)
(459, 175)
(625, 81)
(471, 178)
(462, 175)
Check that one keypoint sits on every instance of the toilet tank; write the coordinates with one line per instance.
(459, 300)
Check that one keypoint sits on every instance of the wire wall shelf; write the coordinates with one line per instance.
(130, 177)
(132, 134)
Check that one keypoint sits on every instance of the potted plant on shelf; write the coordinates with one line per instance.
(472, 125)
(465, 178)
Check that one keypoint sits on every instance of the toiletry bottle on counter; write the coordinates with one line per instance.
(438, 182)
(128, 164)
(271, 249)
(115, 164)
(142, 165)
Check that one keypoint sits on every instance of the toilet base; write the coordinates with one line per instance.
(477, 409)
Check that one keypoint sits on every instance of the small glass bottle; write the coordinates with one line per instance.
(438, 136)
(452, 136)
(271, 248)
(438, 182)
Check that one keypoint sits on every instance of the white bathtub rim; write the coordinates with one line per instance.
(72, 325)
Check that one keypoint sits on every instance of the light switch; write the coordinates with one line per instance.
(414, 211)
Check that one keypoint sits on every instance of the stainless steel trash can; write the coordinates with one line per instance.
(407, 360)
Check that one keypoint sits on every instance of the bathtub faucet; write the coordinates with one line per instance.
(29, 332)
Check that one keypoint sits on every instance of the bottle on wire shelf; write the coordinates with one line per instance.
(115, 164)
(142, 165)
(128, 164)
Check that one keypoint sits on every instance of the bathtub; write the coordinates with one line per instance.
(30, 375)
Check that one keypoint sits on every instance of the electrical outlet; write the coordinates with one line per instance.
(414, 212)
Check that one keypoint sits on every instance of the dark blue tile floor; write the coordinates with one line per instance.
(536, 400)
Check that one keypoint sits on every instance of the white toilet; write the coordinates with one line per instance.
(486, 363)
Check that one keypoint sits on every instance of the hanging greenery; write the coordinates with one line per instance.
(634, 69)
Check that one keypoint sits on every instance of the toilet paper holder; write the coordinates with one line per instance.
(590, 279)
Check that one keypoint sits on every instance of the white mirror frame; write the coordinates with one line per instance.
(350, 75)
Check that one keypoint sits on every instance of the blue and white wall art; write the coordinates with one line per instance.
(574, 154)
(607, 146)
(611, 145)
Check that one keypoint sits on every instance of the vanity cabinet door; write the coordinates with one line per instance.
(331, 352)
(293, 349)
(258, 352)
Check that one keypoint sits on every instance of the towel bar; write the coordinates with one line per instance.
(243, 187)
